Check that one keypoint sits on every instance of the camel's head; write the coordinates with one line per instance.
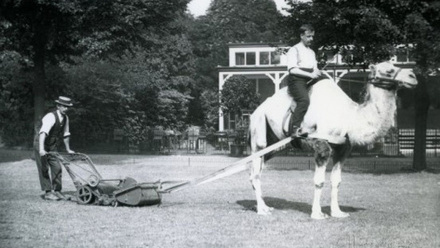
(387, 76)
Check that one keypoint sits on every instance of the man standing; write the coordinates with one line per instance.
(54, 126)
(303, 73)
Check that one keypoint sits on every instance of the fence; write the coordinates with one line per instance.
(353, 164)
(356, 164)
(406, 142)
(399, 143)
(402, 145)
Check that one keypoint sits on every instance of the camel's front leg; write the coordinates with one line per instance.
(323, 152)
(336, 181)
(319, 179)
(256, 169)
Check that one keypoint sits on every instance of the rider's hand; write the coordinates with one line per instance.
(316, 73)
(42, 153)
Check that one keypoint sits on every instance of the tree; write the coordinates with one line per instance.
(161, 77)
(234, 21)
(15, 99)
(238, 94)
(45, 31)
(369, 30)
(210, 105)
(228, 21)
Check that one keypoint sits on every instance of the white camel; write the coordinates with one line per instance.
(334, 123)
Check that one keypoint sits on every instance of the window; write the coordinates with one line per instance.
(405, 55)
(239, 58)
(250, 58)
(411, 55)
(402, 56)
(264, 58)
(329, 56)
(269, 58)
(231, 120)
(247, 58)
(275, 58)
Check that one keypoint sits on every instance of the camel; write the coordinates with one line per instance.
(334, 122)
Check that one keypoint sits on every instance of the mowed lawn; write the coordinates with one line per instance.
(386, 210)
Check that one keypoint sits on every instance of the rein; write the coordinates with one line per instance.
(378, 81)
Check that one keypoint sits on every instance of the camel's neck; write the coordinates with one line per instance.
(374, 117)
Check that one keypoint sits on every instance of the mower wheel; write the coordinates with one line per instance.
(84, 195)
(93, 180)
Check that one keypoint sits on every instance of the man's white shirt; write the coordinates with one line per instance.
(300, 56)
(49, 120)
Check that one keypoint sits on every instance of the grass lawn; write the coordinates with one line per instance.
(387, 210)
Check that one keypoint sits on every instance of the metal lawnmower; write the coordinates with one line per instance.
(91, 188)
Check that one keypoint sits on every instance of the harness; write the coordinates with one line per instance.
(384, 82)
(375, 78)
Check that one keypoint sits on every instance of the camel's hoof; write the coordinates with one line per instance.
(265, 210)
(319, 216)
(340, 214)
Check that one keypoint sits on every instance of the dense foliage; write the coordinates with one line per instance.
(125, 63)
(238, 94)
(369, 31)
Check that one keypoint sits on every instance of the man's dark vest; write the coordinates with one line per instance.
(55, 133)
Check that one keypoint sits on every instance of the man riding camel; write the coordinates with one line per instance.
(303, 73)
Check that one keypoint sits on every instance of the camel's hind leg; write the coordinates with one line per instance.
(322, 157)
(255, 178)
(340, 154)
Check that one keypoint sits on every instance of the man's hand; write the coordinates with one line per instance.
(316, 74)
(42, 153)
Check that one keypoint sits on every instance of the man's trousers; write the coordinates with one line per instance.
(299, 90)
(52, 182)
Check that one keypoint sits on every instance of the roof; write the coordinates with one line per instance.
(256, 44)
(251, 68)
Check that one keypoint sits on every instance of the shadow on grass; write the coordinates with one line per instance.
(12, 155)
(282, 204)
(70, 196)
(406, 171)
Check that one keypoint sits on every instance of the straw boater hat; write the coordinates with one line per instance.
(65, 101)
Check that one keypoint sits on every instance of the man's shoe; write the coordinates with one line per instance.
(61, 196)
(298, 133)
(51, 197)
